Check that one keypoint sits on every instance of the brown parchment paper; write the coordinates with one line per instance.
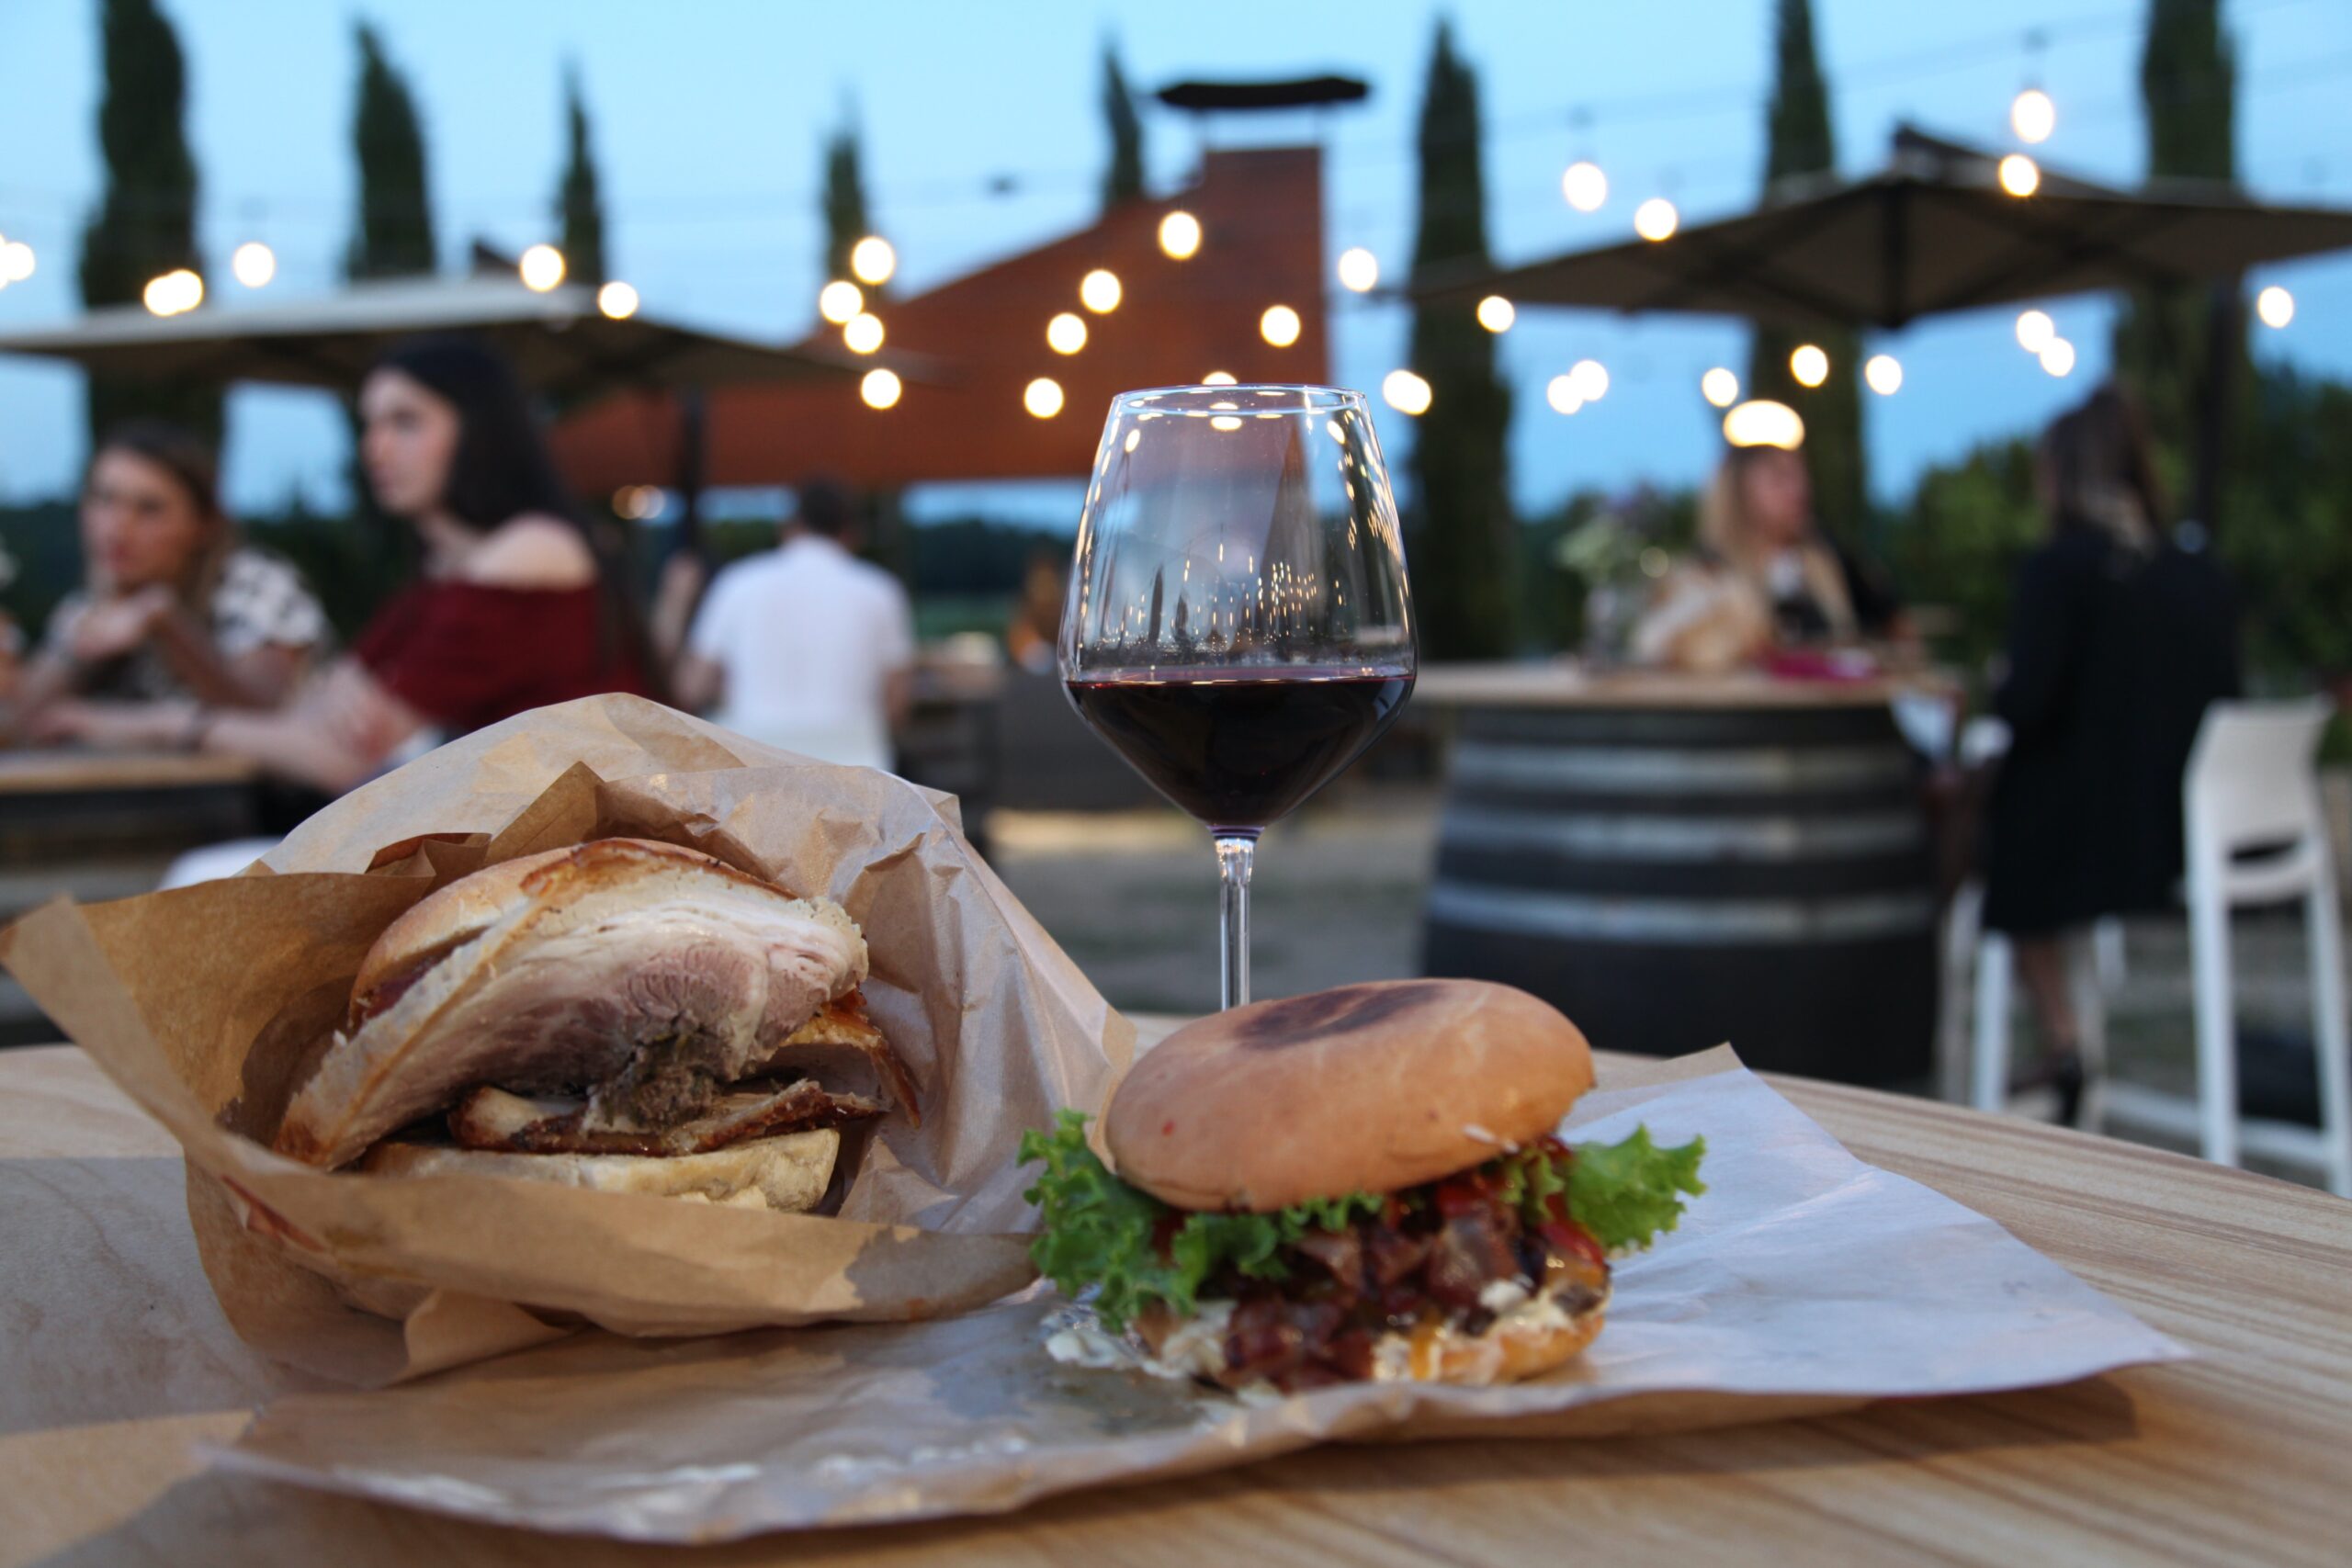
(1805, 1280)
(204, 1003)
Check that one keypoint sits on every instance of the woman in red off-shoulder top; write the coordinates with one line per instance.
(518, 606)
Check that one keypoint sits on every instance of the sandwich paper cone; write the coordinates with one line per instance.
(206, 1003)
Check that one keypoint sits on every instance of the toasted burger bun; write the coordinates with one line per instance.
(1509, 1350)
(1364, 1089)
(787, 1175)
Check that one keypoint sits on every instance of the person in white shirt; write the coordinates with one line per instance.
(805, 647)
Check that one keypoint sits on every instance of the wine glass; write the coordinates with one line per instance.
(1238, 626)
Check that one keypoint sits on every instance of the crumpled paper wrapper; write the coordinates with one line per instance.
(205, 1002)
(1804, 1281)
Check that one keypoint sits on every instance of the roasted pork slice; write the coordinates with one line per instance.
(494, 1120)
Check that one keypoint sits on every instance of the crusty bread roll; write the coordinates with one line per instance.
(787, 1175)
(1364, 1089)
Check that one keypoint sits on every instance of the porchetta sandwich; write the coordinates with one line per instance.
(1358, 1184)
(624, 1015)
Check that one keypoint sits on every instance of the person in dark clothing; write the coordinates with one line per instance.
(2118, 641)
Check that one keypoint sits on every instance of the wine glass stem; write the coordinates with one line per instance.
(1235, 852)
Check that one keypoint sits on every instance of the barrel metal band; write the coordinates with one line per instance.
(1635, 836)
(1729, 770)
(1713, 923)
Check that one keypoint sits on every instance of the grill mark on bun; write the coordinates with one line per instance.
(1320, 1014)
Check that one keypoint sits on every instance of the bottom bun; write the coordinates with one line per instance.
(1521, 1344)
(787, 1175)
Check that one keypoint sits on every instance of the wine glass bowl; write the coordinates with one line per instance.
(1238, 626)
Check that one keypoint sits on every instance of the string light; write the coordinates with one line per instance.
(1180, 234)
(1359, 270)
(872, 260)
(1809, 365)
(2032, 116)
(1763, 422)
(17, 261)
(880, 389)
(1066, 333)
(1497, 313)
(1280, 325)
(1405, 392)
(1100, 292)
(2035, 331)
(1218, 378)
(1562, 394)
(839, 301)
(2020, 176)
(2058, 356)
(617, 300)
(1657, 220)
(2273, 305)
(863, 333)
(541, 267)
(174, 294)
(254, 264)
(1043, 398)
(1883, 372)
(1590, 379)
(1584, 185)
(1718, 386)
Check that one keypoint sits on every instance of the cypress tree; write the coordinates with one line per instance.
(393, 235)
(1801, 142)
(1123, 180)
(579, 209)
(145, 224)
(845, 198)
(1463, 534)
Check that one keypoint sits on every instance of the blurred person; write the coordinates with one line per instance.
(1764, 576)
(519, 603)
(2119, 640)
(173, 606)
(1032, 636)
(805, 647)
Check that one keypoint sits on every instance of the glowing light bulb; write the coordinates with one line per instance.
(1043, 397)
(1359, 270)
(1180, 234)
(1655, 219)
(839, 301)
(2032, 116)
(1562, 394)
(1497, 313)
(254, 264)
(1100, 292)
(541, 267)
(1884, 373)
(863, 333)
(16, 261)
(159, 294)
(1718, 386)
(2273, 305)
(2058, 356)
(2035, 331)
(1590, 379)
(1279, 325)
(1218, 378)
(1809, 365)
(617, 300)
(2020, 176)
(1405, 392)
(1066, 333)
(872, 260)
(880, 389)
(1764, 423)
(175, 293)
(1584, 185)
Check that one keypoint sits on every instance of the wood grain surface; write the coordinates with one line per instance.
(117, 1361)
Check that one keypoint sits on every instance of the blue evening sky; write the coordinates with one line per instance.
(707, 117)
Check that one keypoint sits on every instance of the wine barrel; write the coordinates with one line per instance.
(1672, 877)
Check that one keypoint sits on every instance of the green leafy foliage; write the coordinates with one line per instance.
(1626, 1193)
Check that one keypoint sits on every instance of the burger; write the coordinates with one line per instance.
(623, 1014)
(1358, 1184)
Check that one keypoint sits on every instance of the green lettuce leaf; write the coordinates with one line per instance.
(1626, 1193)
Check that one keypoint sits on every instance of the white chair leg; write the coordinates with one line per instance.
(2217, 1061)
(2329, 1033)
(1990, 1066)
(1963, 930)
(2107, 937)
(2085, 976)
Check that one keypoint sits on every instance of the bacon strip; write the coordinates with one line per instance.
(494, 1120)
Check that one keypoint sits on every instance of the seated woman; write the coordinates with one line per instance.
(175, 606)
(1764, 576)
(519, 605)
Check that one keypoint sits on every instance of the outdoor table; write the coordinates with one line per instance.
(117, 1359)
(1678, 860)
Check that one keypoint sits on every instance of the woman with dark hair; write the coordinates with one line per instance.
(173, 604)
(2118, 641)
(519, 603)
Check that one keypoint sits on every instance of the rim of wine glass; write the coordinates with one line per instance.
(1320, 398)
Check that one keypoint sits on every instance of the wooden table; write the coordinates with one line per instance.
(117, 1359)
